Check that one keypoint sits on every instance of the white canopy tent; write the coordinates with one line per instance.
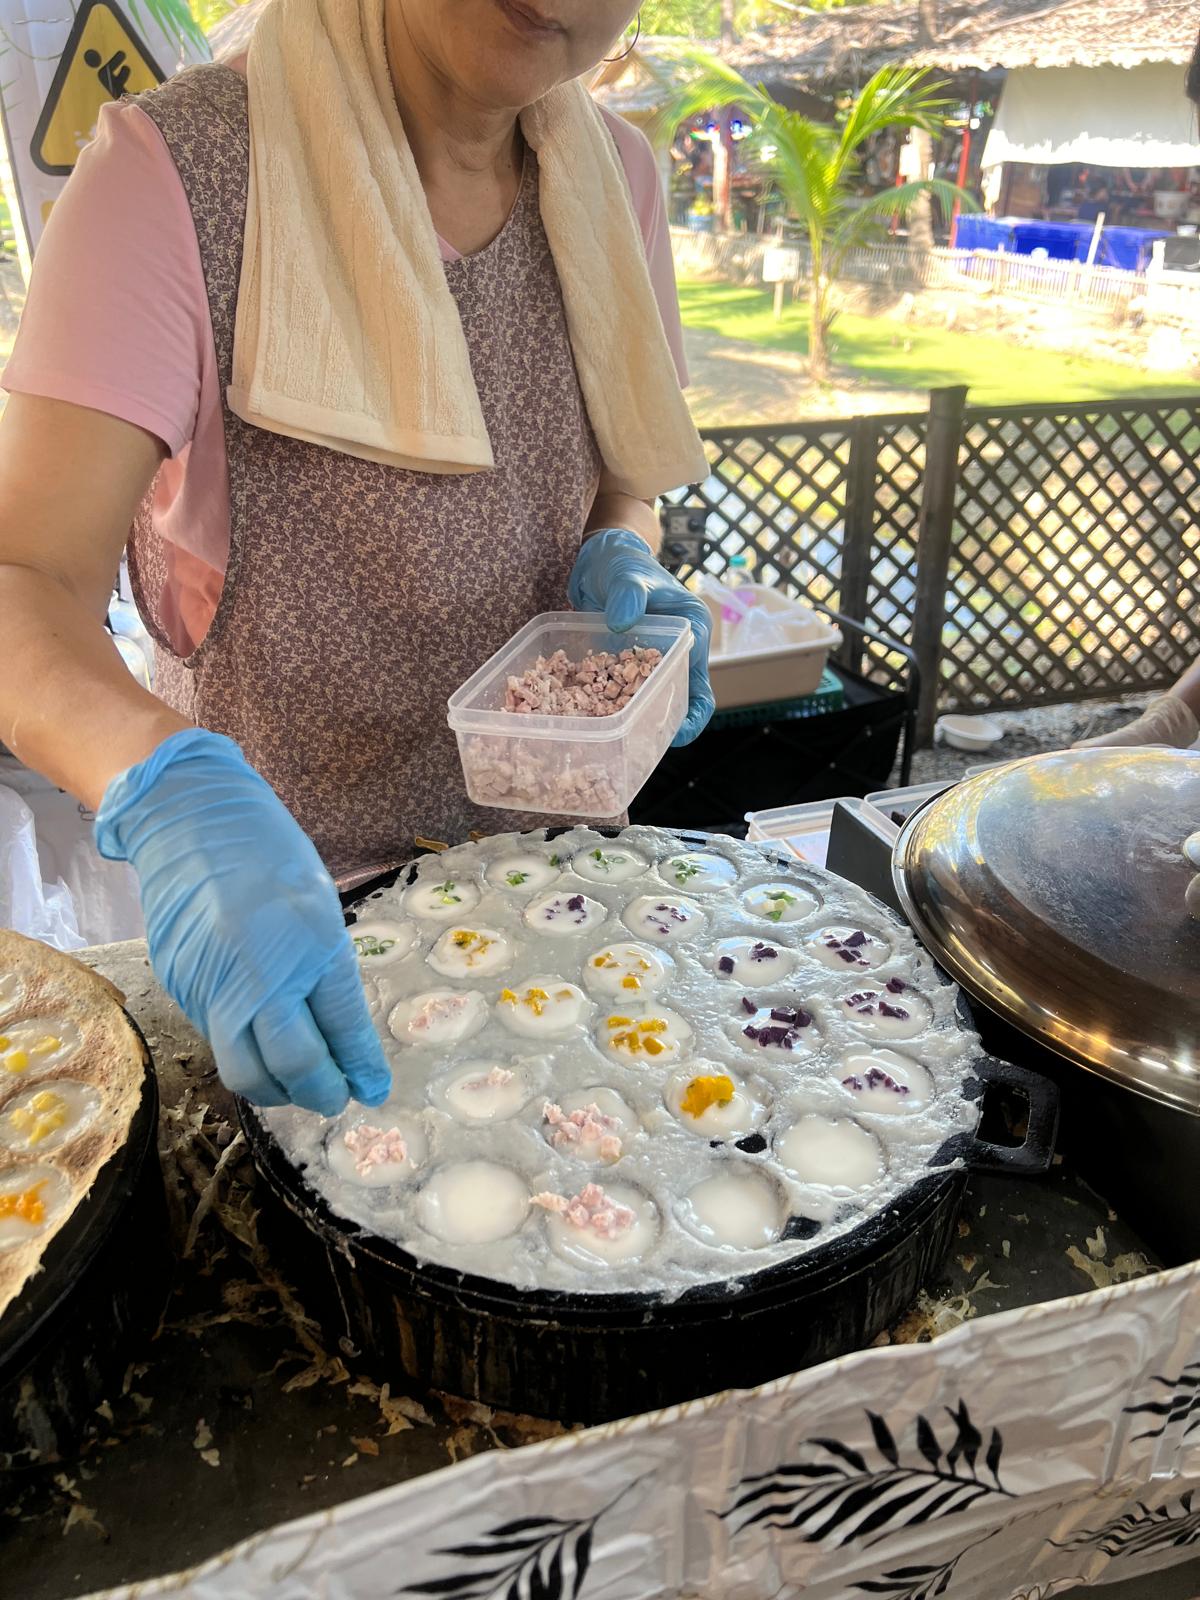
(1103, 116)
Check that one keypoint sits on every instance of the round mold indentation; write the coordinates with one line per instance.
(47, 1116)
(771, 1028)
(663, 919)
(584, 1124)
(471, 953)
(709, 1101)
(831, 1153)
(884, 1081)
(473, 1202)
(522, 873)
(780, 904)
(607, 863)
(482, 1091)
(363, 1151)
(697, 872)
(379, 942)
(561, 916)
(734, 1209)
(438, 1017)
(752, 962)
(441, 899)
(34, 1045)
(626, 971)
(649, 1036)
(32, 1199)
(585, 1245)
(845, 947)
(543, 1008)
(896, 1011)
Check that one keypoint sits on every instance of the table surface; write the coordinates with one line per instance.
(237, 1417)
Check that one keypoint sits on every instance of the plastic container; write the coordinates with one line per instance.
(970, 733)
(804, 829)
(895, 806)
(569, 766)
(786, 670)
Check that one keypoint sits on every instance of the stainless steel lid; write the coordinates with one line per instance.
(1057, 891)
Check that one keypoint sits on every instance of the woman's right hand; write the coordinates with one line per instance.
(244, 925)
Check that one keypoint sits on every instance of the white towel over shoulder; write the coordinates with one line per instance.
(347, 334)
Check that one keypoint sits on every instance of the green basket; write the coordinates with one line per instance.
(827, 696)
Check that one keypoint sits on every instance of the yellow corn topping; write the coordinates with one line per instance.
(620, 1022)
(630, 982)
(46, 1046)
(704, 1092)
(536, 999)
(507, 997)
(652, 1047)
(563, 994)
(606, 960)
(464, 938)
(26, 1205)
(15, 1061)
(3, 1042)
(639, 1036)
(44, 1115)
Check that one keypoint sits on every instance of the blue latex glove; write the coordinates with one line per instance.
(244, 925)
(615, 573)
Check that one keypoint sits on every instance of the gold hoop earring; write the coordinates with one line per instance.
(637, 34)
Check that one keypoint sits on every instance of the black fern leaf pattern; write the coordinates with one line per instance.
(1139, 1530)
(533, 1558)
(1181, 1405)
(912, 1583)
(838, 1496)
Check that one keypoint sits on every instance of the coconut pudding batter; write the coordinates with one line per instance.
(380, 943)
(709, 1074)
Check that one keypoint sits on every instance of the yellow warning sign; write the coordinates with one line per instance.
(102, 60)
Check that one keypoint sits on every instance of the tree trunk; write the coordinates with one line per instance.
(723, 171)
(818, 344)
(728, 31)
(920, 217)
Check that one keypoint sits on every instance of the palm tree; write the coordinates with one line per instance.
(816, 167)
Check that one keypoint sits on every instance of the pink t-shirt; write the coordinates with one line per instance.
(117, 320)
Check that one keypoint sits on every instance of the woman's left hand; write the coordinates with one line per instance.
(616, 573)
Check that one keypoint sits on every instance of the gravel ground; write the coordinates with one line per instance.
(1029, 733)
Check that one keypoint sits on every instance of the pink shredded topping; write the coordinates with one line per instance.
(438, 1010)
(595, 687)
(591, 1208)
(587, 1125)
(496, 1079)
(374, 1147)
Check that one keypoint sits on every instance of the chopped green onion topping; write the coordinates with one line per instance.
(516, 879)
(685, 870)
(782, 900)
(447, 894)
(368, 945)
(606, 863)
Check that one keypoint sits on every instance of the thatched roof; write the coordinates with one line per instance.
(1077, 33)
(851, 43)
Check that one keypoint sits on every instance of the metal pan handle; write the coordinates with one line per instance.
(1037, 1151)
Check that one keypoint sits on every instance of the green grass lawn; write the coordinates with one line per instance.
(874, 349)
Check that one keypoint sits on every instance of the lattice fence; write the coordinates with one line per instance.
(1075, 564)
(1074, 553)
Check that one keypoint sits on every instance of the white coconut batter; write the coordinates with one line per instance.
(831, 1153)
(600, 1126)
(847, 949)
(735, 1208)
(606, 864)
(885, 1082)
(523, 873)
(377, 1150)
(34, 1046)
(626, 972)
(483, 1091)
(698, 872)
(378, 943)
(31, 1198)
(471, 953)
(48, 1115)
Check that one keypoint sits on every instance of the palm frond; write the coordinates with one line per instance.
(896, 97)
(709, 84)
(857, 224)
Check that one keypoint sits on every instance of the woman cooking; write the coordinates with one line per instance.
(372, 340)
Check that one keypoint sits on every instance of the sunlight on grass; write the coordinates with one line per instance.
(906, 356)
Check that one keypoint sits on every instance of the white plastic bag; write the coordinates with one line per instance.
(27, 904)
(54, 884)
